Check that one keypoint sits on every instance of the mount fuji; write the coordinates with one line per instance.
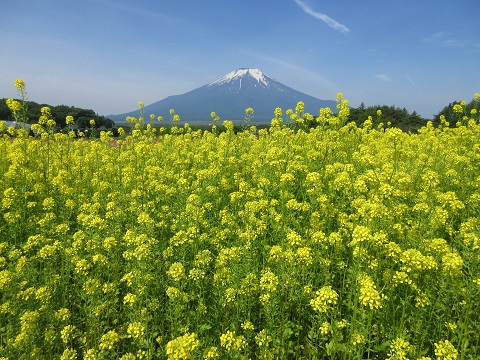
(229, 96)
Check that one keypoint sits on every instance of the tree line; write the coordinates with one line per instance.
(391, 116)
(81, 116)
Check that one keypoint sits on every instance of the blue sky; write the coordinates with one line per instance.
(107, 55)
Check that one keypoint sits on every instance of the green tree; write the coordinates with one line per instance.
(392, 115)
(81, 116)
(451, 116)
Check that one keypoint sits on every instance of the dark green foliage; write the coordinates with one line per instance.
(82, 117)
(397, 117)
(453, 117)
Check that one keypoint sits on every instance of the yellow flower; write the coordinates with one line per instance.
(203, 258)
(48, 203)
(176, 294)
(109, 340)
(287, 177)
(358, 339)
(129, 299)
(228, 125)
(294, 239)
(444, 350)
(399, 349)
(229, 296)
(211, 353)
(325, 328)
(304, 256)
(69, 354)
(300, 108)
(13, 105)
(452, 263)
(196, 274)
(326, 298)
(130, 356)
(176, 271)
(450, 326)
(68, 333)
(457, 108)
(182, 347)
(136, 330)
(369, 296)
(247, 325)
(413, 259)
(268, 281)
(9, 197)
(62, 314)
(20, 85)
(46, 111)
(263, 339)
(231, 341)
(90, 354)
(82, 267)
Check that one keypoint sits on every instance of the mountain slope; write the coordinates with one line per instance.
(229, 96)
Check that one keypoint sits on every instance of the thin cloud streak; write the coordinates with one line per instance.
(439, 35)
(447, 39)
(142, 12)
(383, 77)
(413, 83)
(320, 16)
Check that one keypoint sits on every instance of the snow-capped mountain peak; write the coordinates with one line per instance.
(239, 74)
(230, 95)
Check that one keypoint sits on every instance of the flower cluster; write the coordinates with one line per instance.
(444, 350)
(399, 350)
(182, 347)
(369, 296)
(326, 298)
(232, 342)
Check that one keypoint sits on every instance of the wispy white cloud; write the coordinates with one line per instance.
(457, 43)
(446, 39)
(383, 77)
(320, 16)
(137, 10)
(438, 36)
(414, 84)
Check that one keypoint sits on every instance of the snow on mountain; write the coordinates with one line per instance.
(246, 77)
(229, 96)
(239, 74)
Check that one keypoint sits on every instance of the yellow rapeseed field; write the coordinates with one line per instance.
(293, 242)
